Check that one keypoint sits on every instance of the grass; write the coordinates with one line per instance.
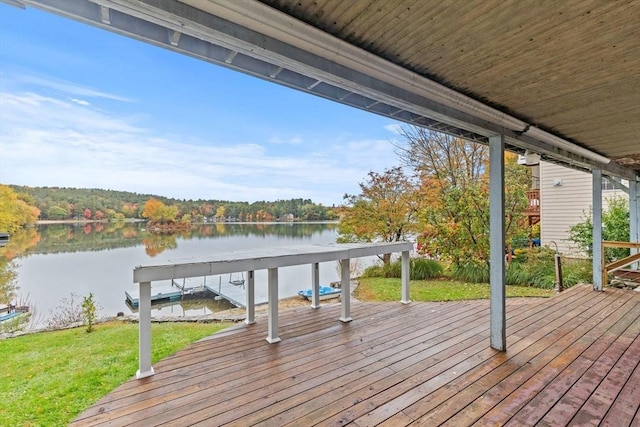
(48, 378)
(384, 289)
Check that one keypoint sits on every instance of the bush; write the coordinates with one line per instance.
(419, 269)
(532, 267)
(536, 267)
(423, 269)
(373, 271)
(615, 222)
(470, 272)
(576, 271)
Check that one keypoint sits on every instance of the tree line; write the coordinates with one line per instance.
(61, 203)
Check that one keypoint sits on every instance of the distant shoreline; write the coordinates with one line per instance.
(83, 221)
(133, 220)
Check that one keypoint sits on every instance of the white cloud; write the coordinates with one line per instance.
(51, 142)
(80, 101)
(394, 128)
(69, 88)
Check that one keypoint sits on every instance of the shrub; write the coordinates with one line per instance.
(470, 272)
(373, 271)
(423, 269)
(576, 271)
(536, 267)
(615, 222)
(89, 311)
(419, 269)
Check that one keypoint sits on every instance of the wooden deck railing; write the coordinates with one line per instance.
(269, 259)
(534, 202)
(615, 265)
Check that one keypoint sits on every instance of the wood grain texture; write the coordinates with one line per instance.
(573, 359)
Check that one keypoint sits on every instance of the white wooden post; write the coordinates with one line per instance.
(406, 299)
(598, 256)
(315, 285)
(144, 329)
(251, 298)
(634, 216)
(272, 336)
(497, 243)
(345, 292)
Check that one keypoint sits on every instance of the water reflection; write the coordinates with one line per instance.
(49, 262)
(74, 237)
(157, 243)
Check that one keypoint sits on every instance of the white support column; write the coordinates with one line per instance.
(345, 294)
(634, 216)
(598, 256)
(144, 329)
(315, 285)
(497, 243)
(406, 299)
(272, 336)
(251, 298)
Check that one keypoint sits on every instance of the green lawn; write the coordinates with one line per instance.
(383, 289)
(48, 378)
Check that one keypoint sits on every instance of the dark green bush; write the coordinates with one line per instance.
(470, 272)
(423, 269)
(576, 271)
(419, 269)
(532, 267)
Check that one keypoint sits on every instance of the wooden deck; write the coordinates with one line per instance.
(572, 360)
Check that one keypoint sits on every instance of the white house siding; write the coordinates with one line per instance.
(565, 199)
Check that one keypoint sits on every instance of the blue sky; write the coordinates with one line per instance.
(83, 107)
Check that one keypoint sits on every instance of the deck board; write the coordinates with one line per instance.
(573, 359)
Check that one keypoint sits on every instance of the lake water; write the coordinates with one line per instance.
(57, 260)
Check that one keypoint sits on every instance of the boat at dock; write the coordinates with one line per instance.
(8, 312)
(326, 292)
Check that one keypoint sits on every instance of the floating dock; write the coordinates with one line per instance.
(232, 291)
(182, 292)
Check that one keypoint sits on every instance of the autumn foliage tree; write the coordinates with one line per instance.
(159, 213)
(454, 188)
(15, 212)
(385, 210)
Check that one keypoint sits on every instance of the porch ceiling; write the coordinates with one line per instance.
(560, 79)
(570, 67)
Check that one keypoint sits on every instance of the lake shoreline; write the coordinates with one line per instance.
(233, 315)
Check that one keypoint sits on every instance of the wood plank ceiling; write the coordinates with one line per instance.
(570, 67)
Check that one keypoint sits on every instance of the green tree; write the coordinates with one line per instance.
(615, 227)
(57, 212)
(385, 210)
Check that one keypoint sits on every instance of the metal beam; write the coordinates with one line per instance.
(497, 243)
(598, 255)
